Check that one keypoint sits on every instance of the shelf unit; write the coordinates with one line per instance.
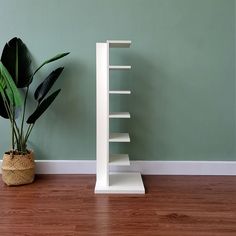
(106, 181)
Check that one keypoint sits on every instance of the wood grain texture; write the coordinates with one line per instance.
(63, 205)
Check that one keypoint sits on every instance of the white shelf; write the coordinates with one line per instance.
(119, 43)
(119, 137)
(111, 67)
(119, 160)
(119, 92)
(106, 180)
(119, 115)
(126, 183)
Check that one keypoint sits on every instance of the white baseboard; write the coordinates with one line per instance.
(145, 167)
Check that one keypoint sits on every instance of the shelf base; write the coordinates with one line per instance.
(123, 183)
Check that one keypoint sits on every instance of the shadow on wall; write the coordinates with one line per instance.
(63, 121)
(146, 105)
(146, 126)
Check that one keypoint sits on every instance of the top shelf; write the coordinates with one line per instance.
(119, 43)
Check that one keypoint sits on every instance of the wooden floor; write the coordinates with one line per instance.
(63, 205)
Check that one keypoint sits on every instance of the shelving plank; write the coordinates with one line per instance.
(119, 160)
(119, 115)
(127, 183)
(119, 43)
(119, 67)
(119, 92)
(119, 137)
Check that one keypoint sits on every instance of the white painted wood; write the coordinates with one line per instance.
(119, 115)
(119, 92)
(145, 167)
(113, 67)
(119, 137)
(102, 88)
(119, 43)
(123, 183)
(119, 160)
(120, 182)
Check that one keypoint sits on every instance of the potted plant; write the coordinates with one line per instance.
(16, 76)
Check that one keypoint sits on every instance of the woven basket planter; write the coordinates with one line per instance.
(18, 169)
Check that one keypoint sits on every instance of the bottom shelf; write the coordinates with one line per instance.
(123, 182)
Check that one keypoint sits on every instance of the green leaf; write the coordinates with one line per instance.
(9, 93)
(16, 58)
(47, 84)
(42, 107)
(3, 111)
(58, 56)
(8, 87)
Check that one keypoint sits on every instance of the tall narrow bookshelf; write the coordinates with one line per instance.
(107, 181)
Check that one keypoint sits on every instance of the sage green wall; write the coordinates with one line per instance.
(183, 76)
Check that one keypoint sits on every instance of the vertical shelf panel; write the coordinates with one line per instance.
(102, 110)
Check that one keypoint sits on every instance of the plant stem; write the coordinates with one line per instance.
(15, 130)
(11, 117)
(23, 141)
(30, 127)
(12, 133)
(27, 132)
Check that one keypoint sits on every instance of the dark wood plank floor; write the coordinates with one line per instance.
(63, 205)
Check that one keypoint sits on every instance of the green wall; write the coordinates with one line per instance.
(183, 76)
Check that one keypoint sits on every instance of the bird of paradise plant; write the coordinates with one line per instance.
(16, 77)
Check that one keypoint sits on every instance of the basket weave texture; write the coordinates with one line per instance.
(18, 169)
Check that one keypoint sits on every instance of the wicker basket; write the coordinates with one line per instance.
(18, 169)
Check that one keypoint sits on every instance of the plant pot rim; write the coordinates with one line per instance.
(9, 153)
